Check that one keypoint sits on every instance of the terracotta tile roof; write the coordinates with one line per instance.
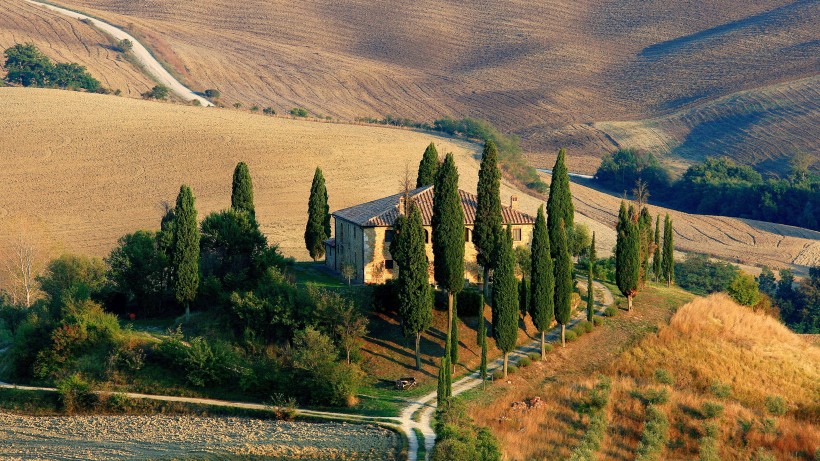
(384, 211)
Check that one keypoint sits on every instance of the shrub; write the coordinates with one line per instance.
(663, 376)
(776, 405)
(570, 335)
(597, 320)
(610, 311)
(268, 111)
(299, 112)
(119, 403)
(497, 375)
(125, 45)
(512, 369)
(585, 325)
(768, 426)
(709, 449)
(721, 390)
(524, 362)
(594, 404)
(655, 434)
(157, 92)
(75, 394)
(469, 302)
(547, 348)
(652, 396)
(535, 356)
(762, 455)
(212, 93)
(237, 105)
(711, 410)
(254, 108)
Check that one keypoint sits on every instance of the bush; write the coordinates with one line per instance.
(610, 311)
(119, 403)
(524, 362)
(702, 276)
(28, 66)
(585, 326)
(721, 390)
(547, 348)
(570, 336)
(497, 375)
(597, 320)
(458, 438)
(212, 94)
(299, 112)
(535, 356)
(469, 302)
(125, 45)
(776, 405)
(709, 449)
(663, 376)
(511, 369)
(711, 410)
(761, 454)
(157, 92)
(75, 394)
(655, 434)
(768, 426)
(268, 111)
(652, 396)
(254, 108)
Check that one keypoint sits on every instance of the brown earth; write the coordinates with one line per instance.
(545, 70)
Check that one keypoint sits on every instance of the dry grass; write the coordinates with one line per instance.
(710, 340)
(595, 61)
(69, 40)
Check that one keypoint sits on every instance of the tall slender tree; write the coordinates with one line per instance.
(242, 190)
(448, 233)
(488, 231)
(482, 342)
(563, 282)
(542, 280)
(448, 375)
(454, 336)
(185, 250)
(414, 292)
(428, 167)
(317, 229)
(627, 254)
(668, 268)
(656, 256)
(441, 393)
(559, 202)
(505, 299)
(646, 243)
(590, 291)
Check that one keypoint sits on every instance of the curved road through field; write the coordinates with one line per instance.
(140, 53)
(418, 415)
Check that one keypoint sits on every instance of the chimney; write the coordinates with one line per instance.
(514, 202)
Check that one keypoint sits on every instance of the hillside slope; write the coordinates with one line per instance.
(105, 165)
(544, 70)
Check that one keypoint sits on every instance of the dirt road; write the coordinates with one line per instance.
(140, 53)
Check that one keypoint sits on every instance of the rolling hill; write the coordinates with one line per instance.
(105, 165)
(544, 70)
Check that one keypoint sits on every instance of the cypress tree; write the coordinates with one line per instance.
(441, 393)
(645, 236)
(454, 336)
(524, 297)
(505, 300)
(242, 190)
(590, 291)
(668, 268)
(448, 376)
(627, 254)
(317, 229)
(656, 257)
(428, 167)
(448, 233)
(414, 292)
(542, 279)
(559, 202)
(482, 341)
(563, 282)
(488, 231)
(185, 250)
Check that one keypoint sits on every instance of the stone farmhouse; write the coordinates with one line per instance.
(362, 234)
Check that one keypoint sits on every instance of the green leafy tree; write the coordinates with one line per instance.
(766, 281)
(668, 265)
(317, 229)
(242, 190)
(590, 290)
(627, 254)
(428, 167)
(72, 277)
(185, 250)
(414, 291)
(542, 279)
(559, 202)
(563, 282)
(656, 257)
(505, 300)
(448, 233)
(744, 289)
(488, 231)
(233, 249)
(137, 269)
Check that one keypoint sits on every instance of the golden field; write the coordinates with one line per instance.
(81, 170)
(544, 70)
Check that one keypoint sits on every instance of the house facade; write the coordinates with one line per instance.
(362, 235)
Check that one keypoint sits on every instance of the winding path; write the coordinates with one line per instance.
(140, 53)
(418, 415)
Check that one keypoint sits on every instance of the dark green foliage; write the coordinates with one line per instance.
(590, 288)
(627, 254)
(776, 405)
(459, 439)
(656, 254)
(157, 92)
(542, 285)
(482, 341)
(487, 232)
(414, 291)
(646, 242)
(505, 300)
(563, 280)
(655, 434)
(428, 167)
(711, 410)
(702, 276)
(454, 336)
(469, 302)
(27, 66)
(299, 112)
(213, 93)
(317, 229)
(233, 249)
(75, 394)
(242, 190)
(663, 376)
(327, 380)
(139, 271)
(448, 231)
(579, 239)
(441, 391)
(622, 168)
(766, 281)
(668, 261)
(185, 249)
(744, 289)
(524, 297)
(559, 204)
(593, 404)
(72, 277)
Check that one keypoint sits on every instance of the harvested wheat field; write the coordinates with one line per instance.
(69, 40)
(542, 69)
(107, 164)
(712, 367)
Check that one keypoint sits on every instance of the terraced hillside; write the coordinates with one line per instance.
(68, 40)
(106, 164)
(542, 69)
(763, 127)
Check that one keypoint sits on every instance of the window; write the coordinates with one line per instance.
(388, 264)
(516, 234)
(388, 235)
(467, 234)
